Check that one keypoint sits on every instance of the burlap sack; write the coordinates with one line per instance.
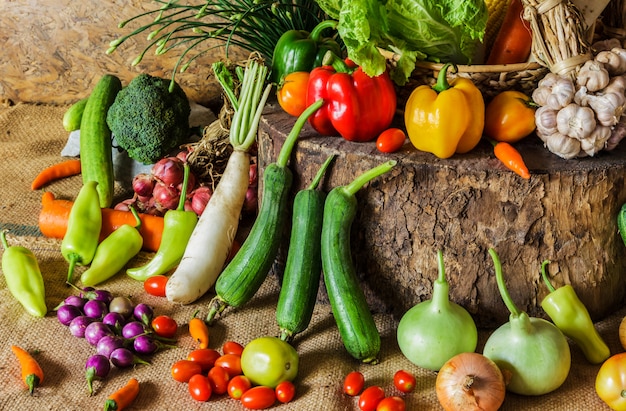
(32, 138)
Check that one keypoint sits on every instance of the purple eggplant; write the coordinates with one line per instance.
(122, 305)
(95, 331)
(114, 320)
(133, 329)
(108, 344)
(143, 313)
(123, 357)
(66, 313)
(78, 325)
(95, 309)
(97, 367)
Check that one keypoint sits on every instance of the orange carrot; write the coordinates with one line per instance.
(123, 397)
(511, 158)
(199, 332)
(55, 213)
(514, 40)
(32, 374)
(63, 169)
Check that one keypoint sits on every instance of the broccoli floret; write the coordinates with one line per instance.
(149, 121)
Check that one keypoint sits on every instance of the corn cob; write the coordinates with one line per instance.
(496, 10)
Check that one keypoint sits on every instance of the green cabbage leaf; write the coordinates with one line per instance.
(449, 31)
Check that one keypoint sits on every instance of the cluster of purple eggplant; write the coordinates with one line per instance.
(120, 330)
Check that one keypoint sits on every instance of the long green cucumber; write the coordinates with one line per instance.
(74, 114)
(352, 314)
(303, 268)
(245, 273)
(95, 138)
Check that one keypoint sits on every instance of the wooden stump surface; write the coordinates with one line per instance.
(566, 213)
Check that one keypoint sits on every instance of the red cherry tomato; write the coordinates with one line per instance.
(390, 140)
(232, 347)
(393, 403)
(285, 391)
(206, 357)
(183, 370)
(164, 326)
(218, 377)
(259, 398)
(370, 397)
(200, 388)
(238, 385)
(231, 363)
(404, 381)
(155, 285)
(353, 383)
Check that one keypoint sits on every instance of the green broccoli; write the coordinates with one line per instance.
(148, 120)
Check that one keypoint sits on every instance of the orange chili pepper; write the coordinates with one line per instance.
(32, 374)
(199, 332)
(123, 397)
(63, 169)
(511, 158)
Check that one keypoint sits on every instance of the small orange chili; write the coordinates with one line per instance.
(123, 397)
(510, 157)
(32, 374)
(199, 332)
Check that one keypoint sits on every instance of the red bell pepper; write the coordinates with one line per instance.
(356, 106)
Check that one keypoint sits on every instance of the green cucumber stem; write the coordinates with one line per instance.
(364, 178)
(320, 173)
(506, 297)
(290, 141)
(441, 288)
(544, 275)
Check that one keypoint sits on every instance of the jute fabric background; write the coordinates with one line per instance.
(31, 138)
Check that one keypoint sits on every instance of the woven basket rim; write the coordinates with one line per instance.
(482, 68)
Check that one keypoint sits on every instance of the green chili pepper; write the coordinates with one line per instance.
(114, 252)
(177, 228)
(570, 315)
(23, 277)
(299, 50)
(83, 228)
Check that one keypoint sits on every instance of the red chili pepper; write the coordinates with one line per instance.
(511, 158)
(356, 106)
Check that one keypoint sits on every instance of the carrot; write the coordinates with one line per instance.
(199, 332)
(511, 158)
(55, 213)
(123, 397)
(63, 169)
(514, 40)
(32, 374)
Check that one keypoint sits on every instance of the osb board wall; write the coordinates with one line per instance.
(54, 51)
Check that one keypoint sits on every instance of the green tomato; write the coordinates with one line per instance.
(269, 361)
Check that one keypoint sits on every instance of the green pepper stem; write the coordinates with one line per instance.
(133, 210)
(544, 275)
(316, 33)
(442, 78)
(320, 173)
(73, 259)
(290, 141)
(506, 297)
(339, 65)
(3, 237)
(361, 180)
(441, 289)
(183, 190)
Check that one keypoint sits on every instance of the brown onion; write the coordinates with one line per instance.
(470, 382)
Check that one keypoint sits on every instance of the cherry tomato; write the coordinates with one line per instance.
(370, 397)
(155, 285)
(292, 92)
(390, 140)
(164, 326)
(200, 388)
(353, 383)
(258, 398)
(218, 377)
(404, 381)
(237, 386)
(269, 361)
(285, 391)
(510, 116)
(611, 382)
(231, 363)
(205, 357)
(183, 370)
(393, 403)
(232, 347)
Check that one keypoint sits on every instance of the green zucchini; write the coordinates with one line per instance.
(245, 273)
(347, 300)
(95, 138)
(303, 267)
(74, 114)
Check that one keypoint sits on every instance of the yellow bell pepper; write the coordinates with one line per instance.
(446, 118)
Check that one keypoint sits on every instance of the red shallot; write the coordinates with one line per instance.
(169, 171)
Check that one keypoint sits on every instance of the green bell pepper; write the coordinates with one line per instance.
(299, 50)
(570, 315)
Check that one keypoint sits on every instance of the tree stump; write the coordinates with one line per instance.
(566, 213)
